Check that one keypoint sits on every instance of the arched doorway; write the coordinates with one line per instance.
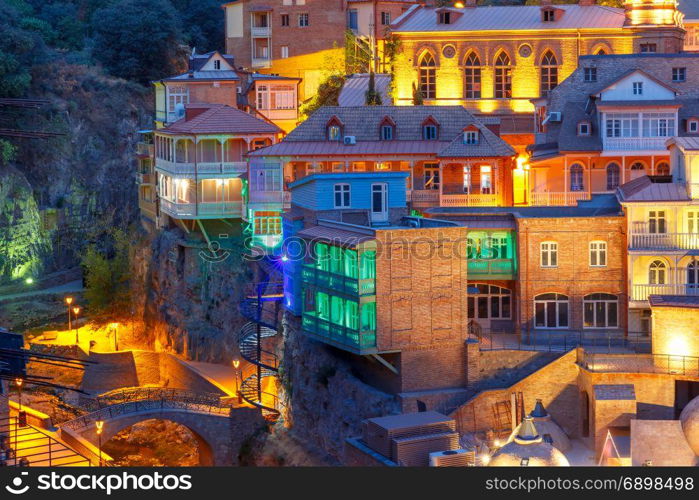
(585, 412)
(158, 443)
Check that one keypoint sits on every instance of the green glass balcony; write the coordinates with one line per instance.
(501, 269)
(337, 282)
(349, 339)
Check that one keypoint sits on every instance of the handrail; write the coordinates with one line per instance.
(667, 364)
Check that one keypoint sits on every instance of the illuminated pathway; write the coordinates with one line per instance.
(41, 448)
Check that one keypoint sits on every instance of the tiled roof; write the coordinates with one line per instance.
(568, 139)
(205, 75)
(197, 61)
(353, 92)
(221, 119)
(336, 236)
(508, 18)
(489, 145)
(688, 301)
(363, 122)
(645, 189)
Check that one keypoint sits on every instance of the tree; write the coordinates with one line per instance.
(138, 40)
(18, 49)
(418, 99)
(372, 96)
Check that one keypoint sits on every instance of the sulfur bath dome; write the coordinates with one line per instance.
(528, 448)
(689, 418)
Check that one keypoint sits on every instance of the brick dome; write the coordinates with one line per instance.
(528, 448)
(689, 418)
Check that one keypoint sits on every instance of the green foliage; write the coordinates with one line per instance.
(8, 152)
(138, 39)
(418, 99)
(17, 52)
(202, 23)
(372, 96)
(357, 54)
(107, 274)
(327, 95)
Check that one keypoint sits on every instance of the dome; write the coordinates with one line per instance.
(689, 418)
(547, 428)
(527, 447)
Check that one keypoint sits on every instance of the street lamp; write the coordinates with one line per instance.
(69, 301)
(115, 327)
(236, 364)
(99, 424)
(76, 311)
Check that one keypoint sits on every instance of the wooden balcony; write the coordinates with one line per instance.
(203, 210)
(494, 269)
(635, 143)
(640, 293)
(349, 339)
(664, 241)
(558, 199)
(432, 198)
(233, 168)
(146, 179)
(144, 149)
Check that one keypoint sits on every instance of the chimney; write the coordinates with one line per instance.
(587, 3)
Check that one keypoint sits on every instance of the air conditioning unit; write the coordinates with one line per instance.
(350, 140)
(453, 458)
(553, 116)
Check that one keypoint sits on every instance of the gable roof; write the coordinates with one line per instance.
(363, 122)
(221, 119)
(631, 72)
(644, 189)
(509, 18)
(198, 61)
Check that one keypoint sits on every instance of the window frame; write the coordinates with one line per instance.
(600, 298)
(304, 20)
(558, 300)
(471, 137)
(679, 74)
(503, 76)
(343, 190)
(590, 74)
(598, 251)
(549, 249)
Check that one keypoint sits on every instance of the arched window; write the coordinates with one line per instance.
(662, 168)
(490, 302)
(427, 76)
(600, 310)
(549, 73)
(473, 76)
(601, 52)
(551, 310)
(693, 274)
(612, 176)
(657, 273)
(503, 76)
(638, 169)
(576, 178)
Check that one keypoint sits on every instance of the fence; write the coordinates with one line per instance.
(646, 363)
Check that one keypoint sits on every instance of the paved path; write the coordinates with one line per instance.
(66, 288)
(222, 376)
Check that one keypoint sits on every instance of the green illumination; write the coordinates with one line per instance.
(29, 281)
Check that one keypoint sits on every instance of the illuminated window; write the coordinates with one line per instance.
(549, 73)
(503, 77)
(549, 254)
(577, 178)
(662, 168)
(334, 133)
(551, 310)
(657, 273)
(656, 222)
(598, 254)
(473, 76)
(431, 176)
(268, 225)
(600, 310)
(693, 222)
(613, 171)
(342, 195)
(679, 74)
(590, 74)
(427, 76)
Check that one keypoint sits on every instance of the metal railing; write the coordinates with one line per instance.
(664, 241)
(342, 336)
(468, 200)
(667, 364)
(202, 168)
(202, 209)
(337, 282)
(548, 199)
(482, 267)
(635, 143)
(562, 341)
(642, 292)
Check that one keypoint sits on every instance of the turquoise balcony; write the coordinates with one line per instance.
(494, 269)
(343, 337)
(312, 276)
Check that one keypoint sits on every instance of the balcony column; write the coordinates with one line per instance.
(589, 177)
(223, 151)
(623, 170)
(652, 165)
(412, 175)
(676, 278)
(565, 181)
(441, 182)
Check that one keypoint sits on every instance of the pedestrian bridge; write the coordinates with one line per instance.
(218, 424)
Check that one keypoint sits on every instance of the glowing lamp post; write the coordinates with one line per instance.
(115, 329)
(236, 365)
(76, 311)
(99, 425)
(69, 301)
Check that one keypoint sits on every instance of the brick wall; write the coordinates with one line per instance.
(573, 276)
(675, 331)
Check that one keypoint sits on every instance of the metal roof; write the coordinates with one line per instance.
(205, 75)
(688, 143)
(647, 189)
(691, 302)
(336, 236)
(354, 90)
(509, 18)
(221, 119)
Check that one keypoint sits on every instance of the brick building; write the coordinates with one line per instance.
(498, 58)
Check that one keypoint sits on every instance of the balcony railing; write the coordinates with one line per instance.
(144, 149)
(258, 62)
(664, 241)
(193, 210)
(203, 168)
(260, 31)
(642, 292)
(563, 199)
(338, 335)
(635, 143)
(424, 197)
(279, 197)
(486, 267)
(468, 200)
(337, 282)
(634, 363)
(146, 178)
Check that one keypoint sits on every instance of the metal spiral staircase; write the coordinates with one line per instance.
(260, 305)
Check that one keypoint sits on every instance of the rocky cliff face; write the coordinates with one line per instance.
(74, 183)
(189, 304)
(327, 402)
